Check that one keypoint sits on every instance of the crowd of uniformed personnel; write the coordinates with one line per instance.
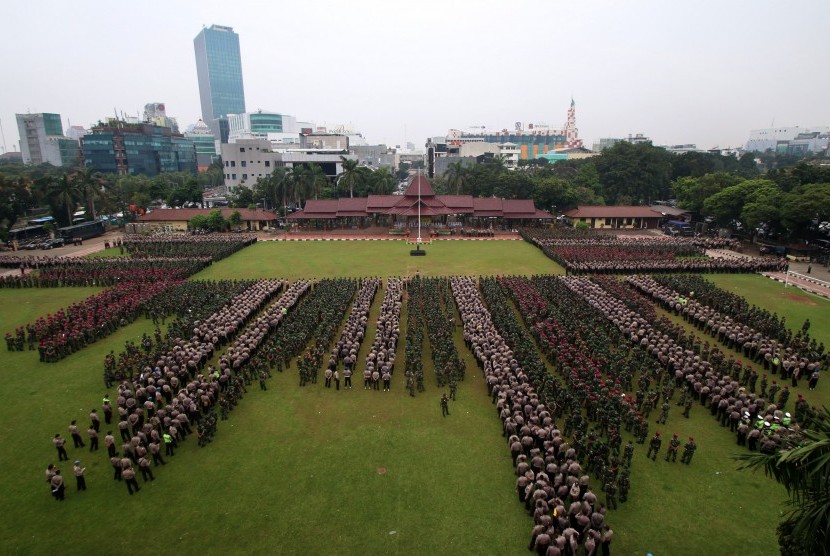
(695, 287)
(351, 337)
(438, 310)
(158, 404)
(215, 246)
(551, 482)
(414, 345)
(794, 359)
(380, 360)
(601, 253)
(707, 377)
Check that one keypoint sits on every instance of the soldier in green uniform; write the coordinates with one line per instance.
(445, 410)
(664, 413)
(628, 454)
(625, 484)
(654, 446)
(687, 408)
(611, 494)
(674, 443)
(688, 451)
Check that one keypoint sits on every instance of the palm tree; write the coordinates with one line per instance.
(350, 176)
(382, 181)
(64, 191)
(302, 182)
(804, 470)
(280, 185)
(318, 179)
(91, 185)
(456, 177)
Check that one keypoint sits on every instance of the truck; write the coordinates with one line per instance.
(678, 228)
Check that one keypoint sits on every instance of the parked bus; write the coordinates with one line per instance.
(84, 230)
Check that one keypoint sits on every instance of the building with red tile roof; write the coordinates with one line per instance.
(420, 198)
(635, 217)
(177, 219)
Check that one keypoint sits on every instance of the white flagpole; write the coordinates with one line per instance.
(419, 206)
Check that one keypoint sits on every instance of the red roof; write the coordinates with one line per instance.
(519, 208)
(185, 214)
(381, 201)
(612, 212)
(487, 204)
(462, 202)
(425, 187)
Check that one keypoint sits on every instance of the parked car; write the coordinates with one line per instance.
(50, 243)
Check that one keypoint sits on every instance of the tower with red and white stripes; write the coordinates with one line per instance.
(571, 132)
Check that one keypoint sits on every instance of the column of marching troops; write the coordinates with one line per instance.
(159, 405)
(438, 310)
(744, 415)
(549, 474)
(351, 338)
(610, 254)
(704, 379)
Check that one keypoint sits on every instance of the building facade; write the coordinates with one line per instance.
(247, 160)
(219, 70)
(205, 143)
(42, 140)
(129, 149)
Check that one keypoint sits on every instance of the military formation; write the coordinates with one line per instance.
(614, 369)
(581, 253)
(550, 482)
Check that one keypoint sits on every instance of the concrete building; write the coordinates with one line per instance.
(205, 143)
(615, 217)
(117, 147)
(42, 140)
(247, 160)
(262, 125)
(605, 142)
(219, 70)
(376, 156)
(156, 113)
(763, 140)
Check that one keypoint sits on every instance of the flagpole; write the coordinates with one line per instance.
(419, 207)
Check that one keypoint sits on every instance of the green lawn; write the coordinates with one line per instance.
(790, 302)
(299, 470)
(299, 259)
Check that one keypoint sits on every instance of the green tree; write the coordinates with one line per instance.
(64, 192)
(303, 183)
(91, 186)
(235, 220)
(455, 177)
(199, 222)
(692, 192)
(319, 179)
(804, 205)
(15, 198)
(638, 172)
(215, 221)
(383, 182)
(350, 176)
(804, 470)
(241, 197)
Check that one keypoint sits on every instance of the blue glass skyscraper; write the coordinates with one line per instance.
(219, 69)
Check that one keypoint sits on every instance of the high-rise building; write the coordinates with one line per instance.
(42, 140)
(122, 148)
(203, 139)
(219, 69)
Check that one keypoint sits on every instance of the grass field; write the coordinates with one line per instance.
(304, 471)
(300, 259)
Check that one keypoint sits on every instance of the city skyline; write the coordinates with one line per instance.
(706, 73)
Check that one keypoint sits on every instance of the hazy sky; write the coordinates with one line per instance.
(703, 72)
